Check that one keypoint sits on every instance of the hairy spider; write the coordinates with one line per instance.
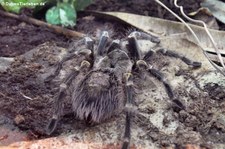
(107, 87)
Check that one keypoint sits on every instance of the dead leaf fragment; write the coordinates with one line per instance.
(206, 16)
(216, 7)
(164, 28)
(19, 119)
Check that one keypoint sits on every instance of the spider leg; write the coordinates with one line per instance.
(148, 55)
(132, 40)
(167, 86)
(134, 51)
(129, 107)
(176, 55)
(58, 105)
(58, 101)
(133, 47)
(114, 45)
(143, 35)
(59, 66)
(158, 75)
(102, 43)
(89, 45)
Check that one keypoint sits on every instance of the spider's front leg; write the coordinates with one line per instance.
(141, 64)
(135, 54)
(129, 107)
(133, 46)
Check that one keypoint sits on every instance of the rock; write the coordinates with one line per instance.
(5, 63)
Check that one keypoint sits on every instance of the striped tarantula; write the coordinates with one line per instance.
(107, 88)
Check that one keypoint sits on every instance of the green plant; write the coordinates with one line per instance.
(63, 12)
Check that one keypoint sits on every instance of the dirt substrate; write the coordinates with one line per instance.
(26, 102)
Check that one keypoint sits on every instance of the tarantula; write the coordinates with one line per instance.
(108, 88)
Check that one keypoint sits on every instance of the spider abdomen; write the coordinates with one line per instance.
(97, 97)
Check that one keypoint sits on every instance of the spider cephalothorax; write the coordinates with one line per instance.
(107, 89)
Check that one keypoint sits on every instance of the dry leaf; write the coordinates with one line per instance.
(163, 27)
(216, 7)
(205, 15)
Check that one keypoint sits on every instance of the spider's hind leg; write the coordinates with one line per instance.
(58, 105)
(58, 101)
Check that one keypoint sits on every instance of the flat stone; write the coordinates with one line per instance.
(5, 63)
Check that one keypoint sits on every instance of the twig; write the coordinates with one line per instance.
(55, 28)
(26, 97)
(3, 137)
(206, 29)
(195, 36)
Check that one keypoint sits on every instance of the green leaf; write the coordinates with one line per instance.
(81, 4)
(52, 16)
(63, 14)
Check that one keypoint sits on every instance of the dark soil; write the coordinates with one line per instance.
(144, 7)
(17, 85)
(18, 37)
